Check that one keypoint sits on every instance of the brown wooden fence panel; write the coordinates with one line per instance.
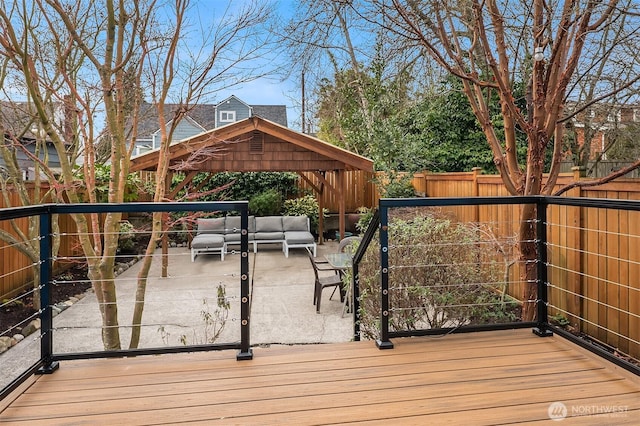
(17, 274)
(593, 252)
(360, 191)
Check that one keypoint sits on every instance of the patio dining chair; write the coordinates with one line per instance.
(349, 244)
(321, 282)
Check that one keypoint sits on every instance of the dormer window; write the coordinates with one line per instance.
(227, 116)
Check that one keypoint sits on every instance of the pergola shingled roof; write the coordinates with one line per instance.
(254, 144)
(259, 145)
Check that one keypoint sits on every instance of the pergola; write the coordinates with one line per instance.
(258, 145)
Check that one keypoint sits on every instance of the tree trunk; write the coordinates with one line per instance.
(102, 279)
(528, 256)
(141, 287)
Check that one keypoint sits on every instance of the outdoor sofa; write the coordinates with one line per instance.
(215, 235)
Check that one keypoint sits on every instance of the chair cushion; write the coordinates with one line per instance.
(295, 223)
(211, 226)
(299, 237)
(269, 224)
(207, 241)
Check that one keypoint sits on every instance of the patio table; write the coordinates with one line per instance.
(341, 262)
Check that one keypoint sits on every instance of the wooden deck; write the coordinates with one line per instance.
(482, 378)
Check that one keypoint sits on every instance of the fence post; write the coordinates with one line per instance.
(384, 342)
(46, 314)
(245, 302)
(542, 328)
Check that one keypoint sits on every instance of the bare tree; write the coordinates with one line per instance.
(237, 34)
(491, 47)
(97, 59)
(603, 92)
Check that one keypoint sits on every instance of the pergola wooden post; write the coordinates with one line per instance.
(340, 181)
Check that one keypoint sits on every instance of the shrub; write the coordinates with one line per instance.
(440, 275)
(126, 237)
(267, 203)
(133, 185)
(366, 215)
(304, 206)
(242, 185)
(397, 186)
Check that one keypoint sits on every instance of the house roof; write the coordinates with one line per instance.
(203, 115)
(20, 120)
(275, 113)
(254, 144)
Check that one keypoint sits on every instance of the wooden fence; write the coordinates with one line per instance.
(593, 253)
(17, 268)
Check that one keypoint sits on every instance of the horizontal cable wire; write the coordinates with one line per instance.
(593, 277)
(595, 254)
(172, 302)
(480, 284)
(461, 305)
(589, 299)
(15, 271)
(24, 321)
(437, 265)
(129, 326)
(8, 245)
(416, 246)
(22, 296)
(628, 338)
(597, 231)
(122, 280)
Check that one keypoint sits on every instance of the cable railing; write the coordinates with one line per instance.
(210, 312)
(420, 270)
(433, 273)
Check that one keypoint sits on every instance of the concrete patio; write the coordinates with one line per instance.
(282, 311)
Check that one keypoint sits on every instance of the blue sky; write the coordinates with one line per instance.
(267, 90)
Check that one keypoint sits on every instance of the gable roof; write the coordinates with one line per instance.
(275, 113)
(204, 115)
(233, 97)
(254, 144)
(187, 119)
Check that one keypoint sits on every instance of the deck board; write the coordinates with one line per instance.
(482, 378)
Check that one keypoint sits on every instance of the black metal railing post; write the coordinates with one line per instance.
(355, 289)
(367, 237)
(384, 342)
(542, 328)
(46, 314)
(245, 298)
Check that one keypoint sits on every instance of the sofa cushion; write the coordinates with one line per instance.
(298, 237)
(269, 224)
(274, 236)
(211, 226)
(233, 224)
(236, 237)
(295, 223)
(207, 241)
